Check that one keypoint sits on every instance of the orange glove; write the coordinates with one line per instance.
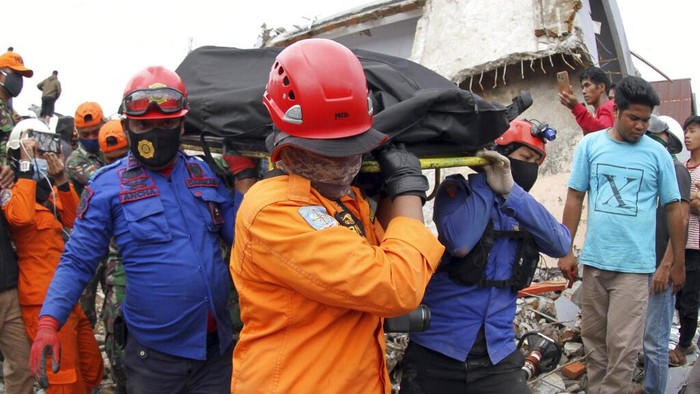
(46, 343)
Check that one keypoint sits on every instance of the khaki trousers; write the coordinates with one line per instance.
(14, 345)
(613, 311)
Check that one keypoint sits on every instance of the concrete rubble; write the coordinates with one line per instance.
(557, 315)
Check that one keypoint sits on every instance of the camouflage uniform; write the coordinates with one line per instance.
(80, 165)
(115, 289)
(7, 122)
(79, 168)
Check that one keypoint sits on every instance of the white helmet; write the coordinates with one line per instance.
(20, 131)
(675, 133)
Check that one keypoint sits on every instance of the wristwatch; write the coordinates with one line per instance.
(25, 166)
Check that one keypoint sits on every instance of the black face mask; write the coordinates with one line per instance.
(524, 173)
(13, 83)
(155, 148)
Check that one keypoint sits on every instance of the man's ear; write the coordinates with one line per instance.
(600, 87)
(615, 110)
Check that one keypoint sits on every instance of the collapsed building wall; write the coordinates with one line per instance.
(498, 49)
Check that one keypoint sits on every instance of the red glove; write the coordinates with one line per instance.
(241, 166)
(46, 343)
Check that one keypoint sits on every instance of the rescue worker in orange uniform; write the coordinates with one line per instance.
(317, 272)
(42, 202)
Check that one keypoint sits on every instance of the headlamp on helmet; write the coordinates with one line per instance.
(531, 133)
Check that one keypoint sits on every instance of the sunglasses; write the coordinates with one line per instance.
(166, 100)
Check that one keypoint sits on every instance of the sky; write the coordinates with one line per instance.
(97, 45)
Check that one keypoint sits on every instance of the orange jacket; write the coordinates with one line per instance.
(37, 236)
(313, 292)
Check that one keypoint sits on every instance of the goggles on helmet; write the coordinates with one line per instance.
(167, 100)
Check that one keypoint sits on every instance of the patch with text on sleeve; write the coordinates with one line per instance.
(317, 217)
(198, 177)
(84, 201)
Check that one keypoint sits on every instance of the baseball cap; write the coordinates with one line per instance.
(335, 147)
(88, 114)
(112, 136)
(14, 61)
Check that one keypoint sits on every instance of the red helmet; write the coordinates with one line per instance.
(317, 90)
(155, 93)
(523, 132)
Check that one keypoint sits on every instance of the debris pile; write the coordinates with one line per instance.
(555, 314)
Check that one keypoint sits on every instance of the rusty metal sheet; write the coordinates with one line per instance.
(676, 98)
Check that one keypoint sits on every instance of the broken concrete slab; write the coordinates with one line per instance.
(573, 349)
(566, 311)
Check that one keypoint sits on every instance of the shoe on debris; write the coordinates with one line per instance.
(676, 357)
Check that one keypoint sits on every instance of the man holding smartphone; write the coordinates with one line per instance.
(595, 86)
(40, 205)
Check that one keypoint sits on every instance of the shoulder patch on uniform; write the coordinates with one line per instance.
(84, 201)
(317, 217)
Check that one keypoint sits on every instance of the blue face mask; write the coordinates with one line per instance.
(41, 169)
(91, 145)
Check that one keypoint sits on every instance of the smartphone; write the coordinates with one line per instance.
(46, 142)
(563, 81)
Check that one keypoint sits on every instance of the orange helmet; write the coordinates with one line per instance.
(155, 93)
(317, 96)
(112, 136)
(528, 133)
(317, 89)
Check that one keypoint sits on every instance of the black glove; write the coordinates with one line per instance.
(402, 174)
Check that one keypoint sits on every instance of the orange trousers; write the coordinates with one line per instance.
(82, 367)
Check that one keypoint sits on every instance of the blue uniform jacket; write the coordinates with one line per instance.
(168, 231)
(462, 210)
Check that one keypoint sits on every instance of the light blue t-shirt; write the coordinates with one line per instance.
(624, 181)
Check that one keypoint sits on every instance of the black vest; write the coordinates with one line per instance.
(470, 269)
